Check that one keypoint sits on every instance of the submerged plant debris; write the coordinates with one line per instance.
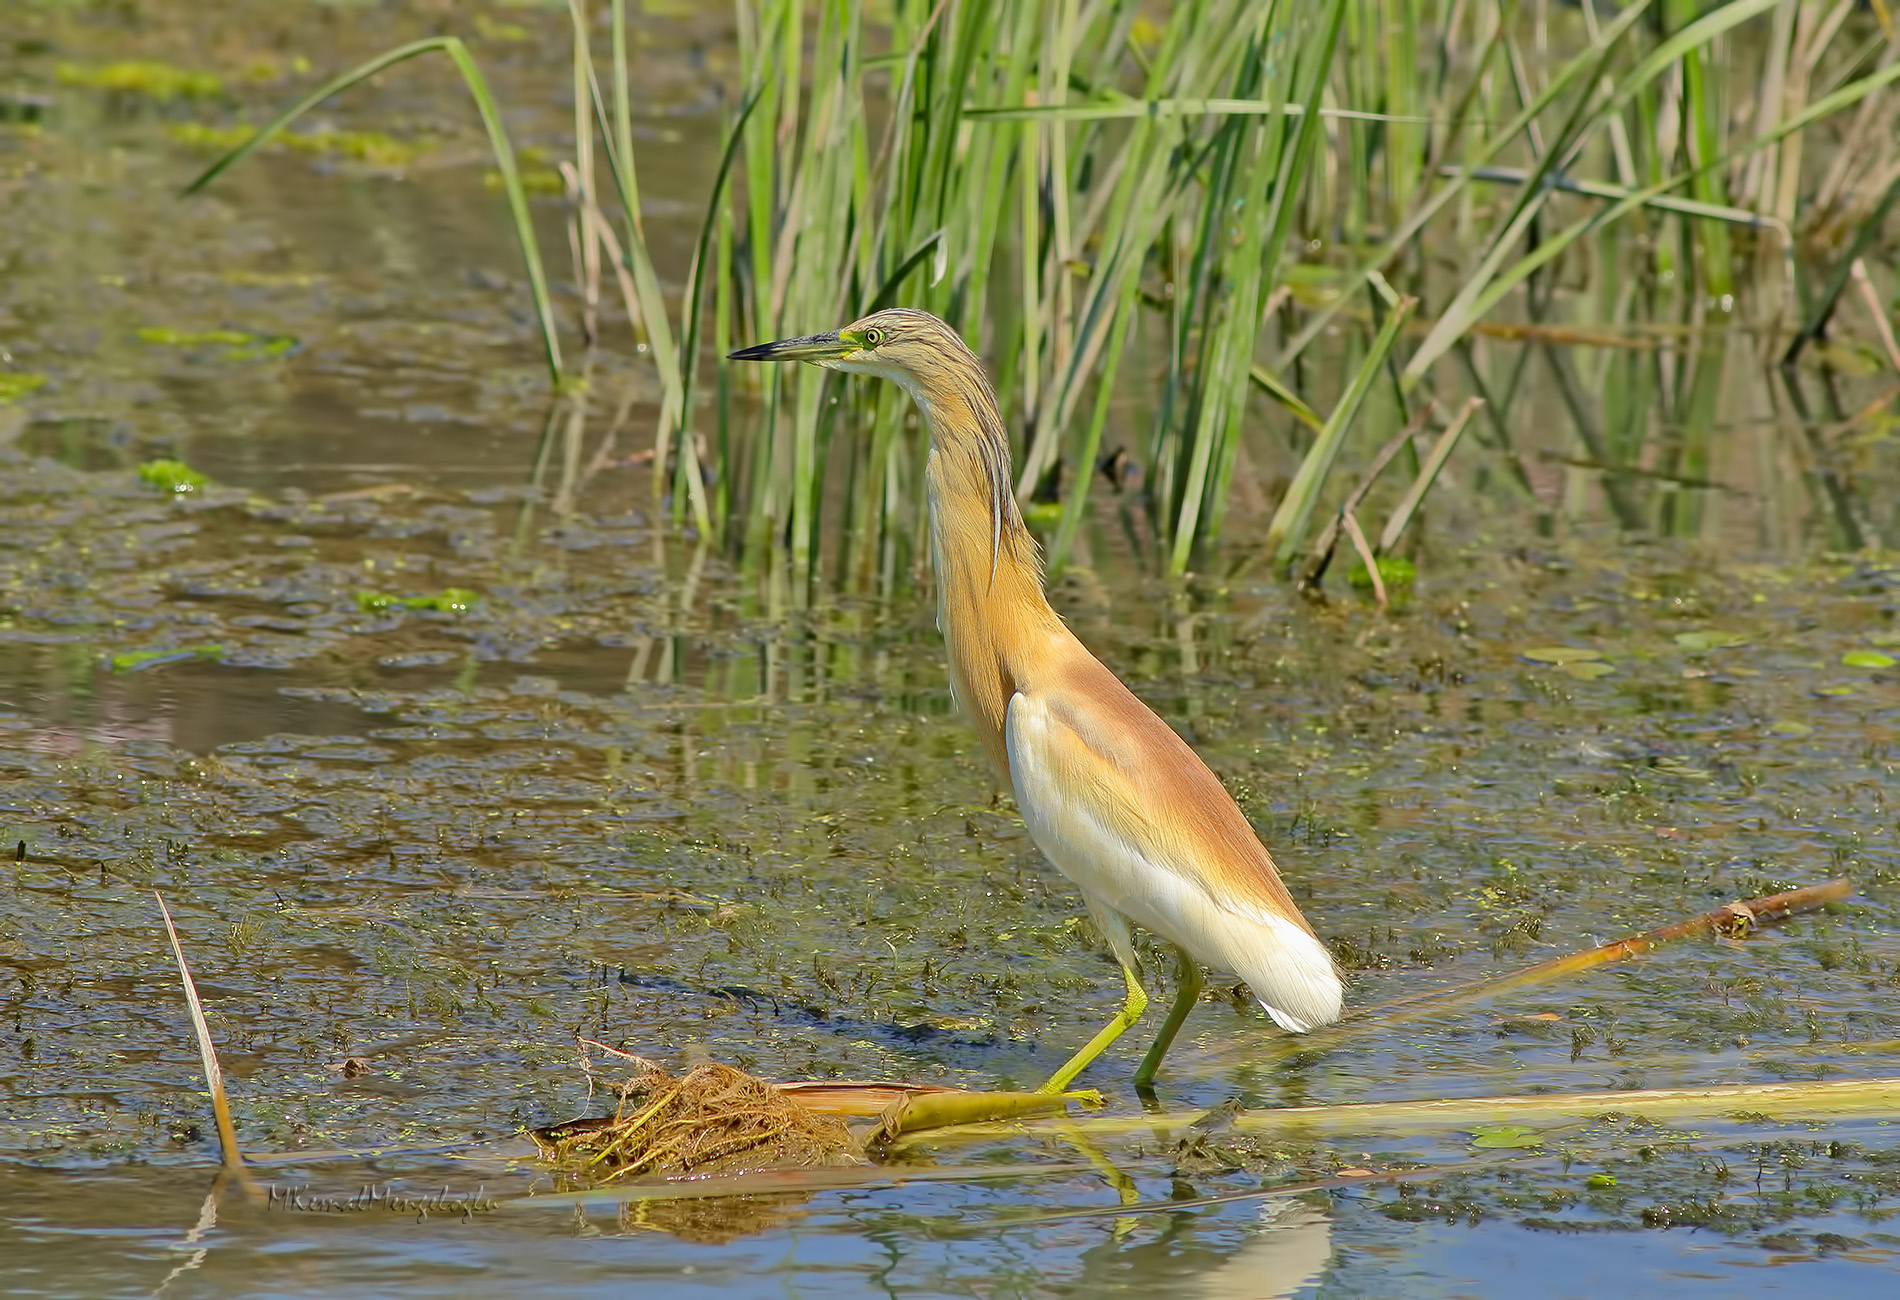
(712, 1119)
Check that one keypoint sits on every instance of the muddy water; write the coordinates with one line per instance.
(443, 760)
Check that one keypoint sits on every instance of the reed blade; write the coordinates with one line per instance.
(498, 143)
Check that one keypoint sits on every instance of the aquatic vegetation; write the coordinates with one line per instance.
(237, 345)
(373, 148)
(540, 181)
(130, 661)
(1103, 150)
(1394, 571)
(147, 79)
(16, 384)
(452, 600)
(1702, 641)
(499, 144)
(172, 476)
(1505, 1137)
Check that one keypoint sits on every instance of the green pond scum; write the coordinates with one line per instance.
(374, 148)
(233, 345)
(450, 739)
(143, 77)
(452, 601)
(128, 661)
(15, 386)
(172, 476)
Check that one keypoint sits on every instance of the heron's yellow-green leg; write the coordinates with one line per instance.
(1185, 997)
(1136, 1003)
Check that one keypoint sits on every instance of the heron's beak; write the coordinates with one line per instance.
(817, 348)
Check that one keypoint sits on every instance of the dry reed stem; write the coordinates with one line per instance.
(1734, 919)
(207, 1051)
(1322, 553)
(1408, 505)
(1366, 556)
(1874, 408)
(1882, 326)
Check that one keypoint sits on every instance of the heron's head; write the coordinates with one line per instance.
(913, 348)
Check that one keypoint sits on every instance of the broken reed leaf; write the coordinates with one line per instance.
(1407, 508)
(1868, 659)
(1274, 387)
(1320, 556)
(499, 144)
(1286, 531)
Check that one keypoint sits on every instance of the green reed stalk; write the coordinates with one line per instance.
(498, 145)
(1042, 175)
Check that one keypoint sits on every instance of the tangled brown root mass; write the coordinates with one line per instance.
(712, 1119)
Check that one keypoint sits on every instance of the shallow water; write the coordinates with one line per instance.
(603, 795)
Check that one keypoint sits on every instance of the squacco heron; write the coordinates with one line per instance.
(1113, 796)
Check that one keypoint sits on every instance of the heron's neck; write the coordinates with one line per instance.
(996, 622)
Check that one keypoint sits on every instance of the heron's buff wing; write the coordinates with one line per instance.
(1125, 809)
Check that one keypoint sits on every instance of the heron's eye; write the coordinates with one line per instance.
(873, 337)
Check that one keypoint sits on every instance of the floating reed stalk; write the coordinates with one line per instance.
(1822, 1101)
